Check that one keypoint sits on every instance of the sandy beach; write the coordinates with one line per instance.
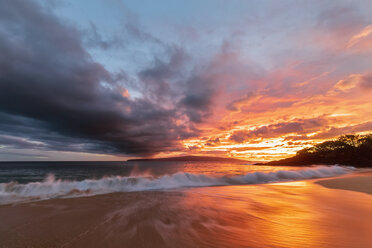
(293, 214)
(360, 182)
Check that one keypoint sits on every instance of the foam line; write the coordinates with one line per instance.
(51, 187)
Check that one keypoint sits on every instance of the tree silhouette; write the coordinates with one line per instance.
(353, 150)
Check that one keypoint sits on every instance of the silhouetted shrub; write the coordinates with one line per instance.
(353, 150)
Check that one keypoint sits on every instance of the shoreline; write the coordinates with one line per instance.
(358, 182)
(225, 216)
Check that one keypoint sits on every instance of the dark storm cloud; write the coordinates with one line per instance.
(160, 81)
(18, 142)
(51, 91)
(95, 38)
(167, 81)
(198, 98)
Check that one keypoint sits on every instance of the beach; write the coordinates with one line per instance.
(185, 124)
(288, 214)
(361, 182)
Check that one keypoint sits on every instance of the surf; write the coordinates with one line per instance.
(51, 187)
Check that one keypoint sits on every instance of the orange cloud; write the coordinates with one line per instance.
(354, 80)
(359, 36)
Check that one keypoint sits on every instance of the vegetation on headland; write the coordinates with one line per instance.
(355, 150)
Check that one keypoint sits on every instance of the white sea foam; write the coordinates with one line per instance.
(51, 187)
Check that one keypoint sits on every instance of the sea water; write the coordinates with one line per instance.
(30, 181)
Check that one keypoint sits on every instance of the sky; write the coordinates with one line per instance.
(119, 79)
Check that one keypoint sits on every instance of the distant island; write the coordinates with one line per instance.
(355, 150)
(190, 158)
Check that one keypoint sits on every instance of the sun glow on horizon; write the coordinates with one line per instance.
(128, 80)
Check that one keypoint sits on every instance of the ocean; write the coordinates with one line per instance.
(30, 181)
(179, 204)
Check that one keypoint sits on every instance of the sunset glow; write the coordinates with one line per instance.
(258, 80)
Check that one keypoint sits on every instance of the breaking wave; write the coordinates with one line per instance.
(51, 187)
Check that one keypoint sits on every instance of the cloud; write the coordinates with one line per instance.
(95, 38)
(56, 96)
(366, 81)
(53, 92)
(348, 83)
(198, 99)
(354, 80)
(297, 126)
(233, 105)
(213, 142)
(365, 32)
(336, 131)
(242, 149)
(160, 80)
(18, 142)
(296, 137)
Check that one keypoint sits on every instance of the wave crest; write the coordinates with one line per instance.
(51, 187)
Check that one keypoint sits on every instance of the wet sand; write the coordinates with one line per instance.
(296, 214)
(361, 182)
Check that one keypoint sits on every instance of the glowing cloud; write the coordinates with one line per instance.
(358, 37)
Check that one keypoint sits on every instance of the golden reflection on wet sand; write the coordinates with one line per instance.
(297, 214)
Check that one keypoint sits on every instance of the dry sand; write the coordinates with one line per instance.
(360, 182)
